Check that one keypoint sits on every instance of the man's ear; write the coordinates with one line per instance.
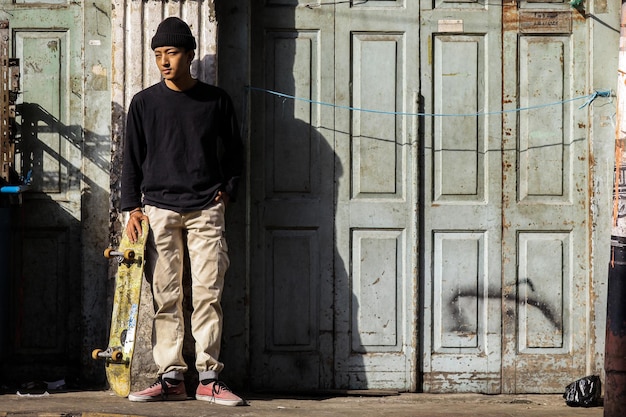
(190, 56)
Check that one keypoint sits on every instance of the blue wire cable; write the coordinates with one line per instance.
(589, 97)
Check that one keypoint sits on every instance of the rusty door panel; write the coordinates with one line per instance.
(504, 210)
(505, 254)
(545, 165)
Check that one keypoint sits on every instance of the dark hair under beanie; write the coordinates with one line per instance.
(173, 32)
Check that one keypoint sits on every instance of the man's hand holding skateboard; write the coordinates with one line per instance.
(133, 227)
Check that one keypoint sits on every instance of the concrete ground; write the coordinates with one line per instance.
(364, 404)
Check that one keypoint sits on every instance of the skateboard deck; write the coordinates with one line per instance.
(118, 355)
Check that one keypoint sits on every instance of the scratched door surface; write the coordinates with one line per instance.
(501, 197)
(545, 255)
(462, 194)
(333, 285)
(505, 198)
(45, 321)
(376, 69)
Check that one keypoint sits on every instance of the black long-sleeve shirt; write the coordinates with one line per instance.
(181, 148)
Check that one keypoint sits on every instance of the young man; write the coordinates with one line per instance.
(183, 158)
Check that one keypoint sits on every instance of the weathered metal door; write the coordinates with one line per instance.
(505, 196)
(333, 215)
(461, 52)
(545, 212)
(377, 73)
(48, 39)
(502, 196)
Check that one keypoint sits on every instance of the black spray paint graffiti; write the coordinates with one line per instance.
(460, 318)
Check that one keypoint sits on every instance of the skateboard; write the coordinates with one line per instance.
(118, 355)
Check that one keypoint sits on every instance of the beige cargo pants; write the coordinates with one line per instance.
(208, 253)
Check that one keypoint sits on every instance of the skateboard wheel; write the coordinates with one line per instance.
(95, 354)
(129, 254)
(107, 253)
(117, 355)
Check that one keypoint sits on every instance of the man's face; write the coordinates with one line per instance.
(173, 62)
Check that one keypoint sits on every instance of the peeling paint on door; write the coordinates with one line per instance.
(510, 261)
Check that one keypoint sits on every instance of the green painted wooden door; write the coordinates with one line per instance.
(63, 116)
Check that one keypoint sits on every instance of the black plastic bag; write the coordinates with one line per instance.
(584, 392)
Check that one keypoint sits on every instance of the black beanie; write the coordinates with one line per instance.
(173, 32)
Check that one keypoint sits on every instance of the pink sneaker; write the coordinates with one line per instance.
(217, 392)
(161, 390)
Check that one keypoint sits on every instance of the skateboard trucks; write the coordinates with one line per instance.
(128, 256)
(110, 355)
